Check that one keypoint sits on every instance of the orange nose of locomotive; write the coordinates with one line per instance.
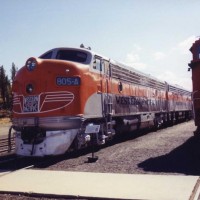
(46, 88)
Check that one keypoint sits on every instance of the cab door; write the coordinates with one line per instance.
(107, 87)
(104, 85)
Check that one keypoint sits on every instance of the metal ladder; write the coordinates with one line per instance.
(109, 114)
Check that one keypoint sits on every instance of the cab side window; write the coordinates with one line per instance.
(98, 64)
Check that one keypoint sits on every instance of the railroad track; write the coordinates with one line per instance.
(7, 145)
(14, 162)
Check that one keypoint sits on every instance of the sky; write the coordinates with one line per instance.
(153, 36)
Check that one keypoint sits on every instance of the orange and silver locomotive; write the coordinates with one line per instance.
(68, 96)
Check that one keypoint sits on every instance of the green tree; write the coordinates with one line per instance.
(2, 83)
(13, 72)
(8, 93)
(5, 88)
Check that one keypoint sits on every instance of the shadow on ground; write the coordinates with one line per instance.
(185, 159)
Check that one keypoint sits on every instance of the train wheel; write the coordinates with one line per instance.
(156, 124)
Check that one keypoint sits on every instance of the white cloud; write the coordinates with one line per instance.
(137, 47)
(175, 79)
(187, 42)
(172, 70)
(185, 45)
(133, 60)
(167, 76)
(159, 55)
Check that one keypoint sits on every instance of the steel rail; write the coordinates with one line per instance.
(7, 145)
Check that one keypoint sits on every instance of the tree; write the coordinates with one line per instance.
(5, 88)
(2, 83)
(13, 72)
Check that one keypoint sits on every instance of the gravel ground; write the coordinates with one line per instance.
(172, 150)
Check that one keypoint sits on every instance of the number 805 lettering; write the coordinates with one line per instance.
(67, 81)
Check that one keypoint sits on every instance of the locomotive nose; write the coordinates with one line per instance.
(44, 86)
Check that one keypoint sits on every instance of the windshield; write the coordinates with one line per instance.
(47, 55)
(72, 55)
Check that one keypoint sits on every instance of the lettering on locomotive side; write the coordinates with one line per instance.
(135, 101)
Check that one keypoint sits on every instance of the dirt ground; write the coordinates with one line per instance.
(173, 150)
(5, 124)
(4, 121)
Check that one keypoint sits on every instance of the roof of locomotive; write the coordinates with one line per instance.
(91, 54)
(114, 62)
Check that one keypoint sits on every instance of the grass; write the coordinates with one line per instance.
(4, 116)
(4, 120)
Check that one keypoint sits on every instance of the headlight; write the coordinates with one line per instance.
(31, 64)
(29, 88)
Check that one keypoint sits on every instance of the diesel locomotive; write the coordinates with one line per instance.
(70, 98)
(195, 66)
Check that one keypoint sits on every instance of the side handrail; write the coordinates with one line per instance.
(9, 139)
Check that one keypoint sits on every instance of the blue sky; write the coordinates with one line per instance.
(154, 36)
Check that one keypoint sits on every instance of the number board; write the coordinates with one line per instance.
(31, 104)
(62, 81)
